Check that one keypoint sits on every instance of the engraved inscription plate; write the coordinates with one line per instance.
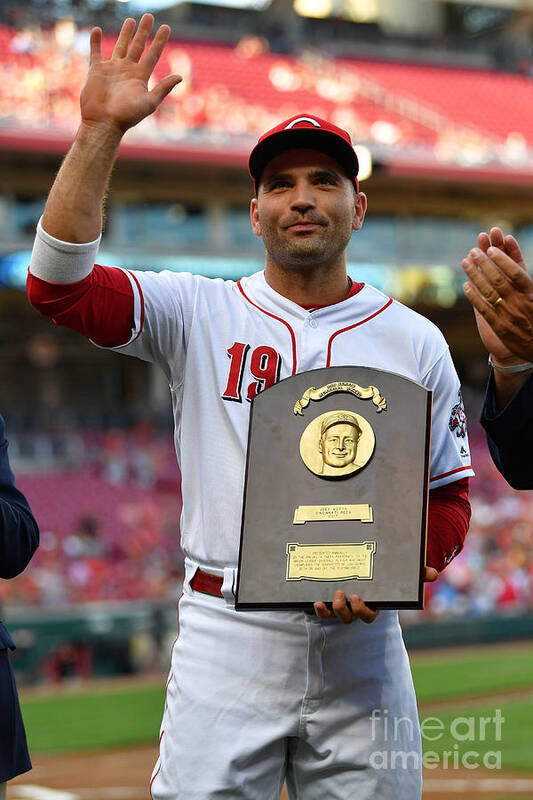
(330, 562)
(361, 511)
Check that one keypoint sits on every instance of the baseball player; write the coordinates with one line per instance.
(256, 698)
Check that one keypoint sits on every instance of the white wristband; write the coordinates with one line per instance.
(56, 261)
(514, 368)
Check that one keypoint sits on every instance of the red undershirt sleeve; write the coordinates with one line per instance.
(449, 518)
(101, 306)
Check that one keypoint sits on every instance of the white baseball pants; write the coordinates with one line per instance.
(254, 698)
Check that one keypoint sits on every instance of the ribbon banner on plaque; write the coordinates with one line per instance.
(336, 490)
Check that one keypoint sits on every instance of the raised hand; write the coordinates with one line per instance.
(501, 293)
(116, 91)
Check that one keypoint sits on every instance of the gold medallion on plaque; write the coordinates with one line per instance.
(337, 444)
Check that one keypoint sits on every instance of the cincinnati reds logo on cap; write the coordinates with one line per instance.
(303, 119)
(304, 131)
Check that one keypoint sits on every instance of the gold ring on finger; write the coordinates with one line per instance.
(497, 301)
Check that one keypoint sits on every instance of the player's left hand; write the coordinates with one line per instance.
(430, 575)
(346, 610)
(349, 609)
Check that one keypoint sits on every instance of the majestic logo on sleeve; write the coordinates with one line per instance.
(457, 421)
(450, 556)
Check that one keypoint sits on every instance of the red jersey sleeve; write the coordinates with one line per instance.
(101, 306)
(449, 518)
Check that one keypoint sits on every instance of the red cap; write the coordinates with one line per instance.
(304, 130)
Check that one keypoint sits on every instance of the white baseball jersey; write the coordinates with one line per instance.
(259, 696)
(266, 695)
(221, 342)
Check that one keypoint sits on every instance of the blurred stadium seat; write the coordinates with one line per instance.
(442, 114)
(109, 524)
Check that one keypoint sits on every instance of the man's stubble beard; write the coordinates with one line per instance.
(305, 252)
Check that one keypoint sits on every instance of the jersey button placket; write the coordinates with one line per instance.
(311, 341)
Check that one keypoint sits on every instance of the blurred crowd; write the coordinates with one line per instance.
(110, 531)
(109, 526)
(229, 92)
(41, 74)
(494, 572)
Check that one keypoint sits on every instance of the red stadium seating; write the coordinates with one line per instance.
(472, 116)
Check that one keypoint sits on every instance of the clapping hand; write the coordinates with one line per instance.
(501, 293)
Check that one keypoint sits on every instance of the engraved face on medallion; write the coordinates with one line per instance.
(340, 433)
(337, 444)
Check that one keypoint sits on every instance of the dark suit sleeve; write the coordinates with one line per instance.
(510, 434)
(19, 534)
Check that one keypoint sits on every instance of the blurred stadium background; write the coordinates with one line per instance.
(438, 96)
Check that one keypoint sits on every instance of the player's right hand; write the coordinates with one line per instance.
(116, 91)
